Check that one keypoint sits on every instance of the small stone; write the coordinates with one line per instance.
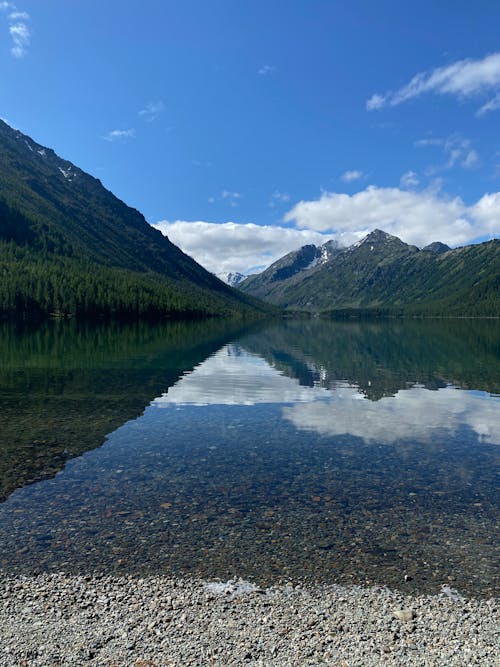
(404, 615)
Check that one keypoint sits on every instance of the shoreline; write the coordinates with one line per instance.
(59, 619)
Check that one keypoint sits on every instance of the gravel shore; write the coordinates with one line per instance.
(55, 620)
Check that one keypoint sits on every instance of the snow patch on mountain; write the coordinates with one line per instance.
(67, 171)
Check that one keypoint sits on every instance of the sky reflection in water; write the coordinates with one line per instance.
(234, 377)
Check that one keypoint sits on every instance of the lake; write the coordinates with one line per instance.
(361, 452)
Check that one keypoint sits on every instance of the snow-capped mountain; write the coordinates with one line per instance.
(231, 278)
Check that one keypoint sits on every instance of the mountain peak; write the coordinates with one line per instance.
(437, 247)
(378, 235)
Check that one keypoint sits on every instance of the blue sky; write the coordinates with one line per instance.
(246, 129)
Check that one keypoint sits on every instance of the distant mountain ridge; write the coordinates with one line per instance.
(69, 246)
(382, 272)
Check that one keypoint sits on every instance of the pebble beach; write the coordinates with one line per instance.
(54, 620)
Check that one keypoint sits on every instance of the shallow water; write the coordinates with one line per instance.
(321, 451)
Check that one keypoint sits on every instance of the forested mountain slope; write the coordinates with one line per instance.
(68, 246)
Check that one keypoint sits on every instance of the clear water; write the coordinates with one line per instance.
(319, 451)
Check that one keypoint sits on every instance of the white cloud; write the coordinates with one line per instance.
(486, 213)
(464, 79)
(422, 143)
(470, 160)
(409, 180)
(375, 102)
(230, 246)
(152, 110)
(266, 69)
(415, 217)
(116, 135)
(278, 198)
(281, 196)
(16, 16)
(21, 38)
(492, 105)
(226, 195)
(457, 149)
(18, 29)
(352, 175)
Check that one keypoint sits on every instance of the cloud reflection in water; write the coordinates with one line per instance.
(233, 376)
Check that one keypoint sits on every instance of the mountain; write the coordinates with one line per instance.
(69, 246)
(231, 278)
(295, 262)
(437, 247)
(382, 272)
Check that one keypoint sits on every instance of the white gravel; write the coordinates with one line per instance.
(55, 620)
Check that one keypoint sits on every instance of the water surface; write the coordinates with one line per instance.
(319, 451)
